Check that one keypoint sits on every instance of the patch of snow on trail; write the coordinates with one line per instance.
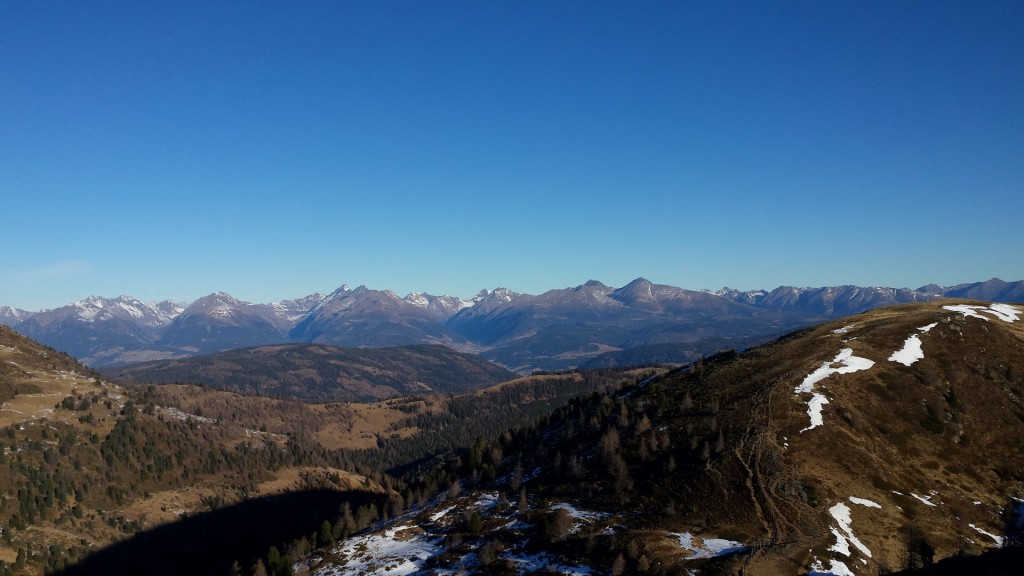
(849, 363)
(843, 330)
(708, 547)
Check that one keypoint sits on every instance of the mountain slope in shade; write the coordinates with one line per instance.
(441, 307)
(97, 328)
(291, 311)
(321, 373)
(221, 322)
(853, 447)
(364, 317)
(994, 290)
(566, 328)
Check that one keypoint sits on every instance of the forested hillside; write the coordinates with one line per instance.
(88, 463)
(321, 373)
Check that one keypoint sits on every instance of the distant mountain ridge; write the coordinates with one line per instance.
(561, 328)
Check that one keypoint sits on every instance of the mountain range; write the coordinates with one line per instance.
(591, 324)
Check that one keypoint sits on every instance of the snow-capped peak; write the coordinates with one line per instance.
(496, 295)
(96, 308)
(418, 299)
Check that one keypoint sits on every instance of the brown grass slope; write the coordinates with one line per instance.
(722, 449)
(949, 430)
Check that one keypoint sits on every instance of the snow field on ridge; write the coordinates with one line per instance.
(911, 351)
(1004, 312)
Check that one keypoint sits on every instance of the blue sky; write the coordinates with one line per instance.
(272, 149)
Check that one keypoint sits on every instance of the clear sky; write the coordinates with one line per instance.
(275, 149)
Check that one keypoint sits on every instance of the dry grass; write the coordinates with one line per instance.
(31, 366)
(170, 505)
(941, 425)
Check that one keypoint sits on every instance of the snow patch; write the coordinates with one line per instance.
(911, 351)
(836, 568)
(707, 547)
(486, 501)
(396, 552)
(844, 534)
(864, 502)
(438, 515)
(1004, 312)
(847, 363)
(814, 406)
(998, 539)
(581, 516)
(843, 330)
(925, 499)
